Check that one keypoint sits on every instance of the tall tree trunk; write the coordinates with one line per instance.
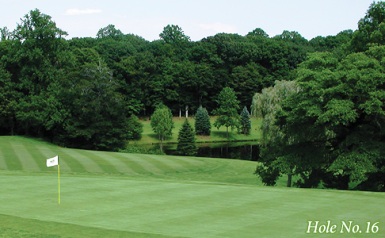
(161, 145)
(186, 111)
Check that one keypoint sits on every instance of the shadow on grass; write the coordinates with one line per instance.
(223, 135)
(156, 138)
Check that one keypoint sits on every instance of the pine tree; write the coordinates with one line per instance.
(245, 122)
(202, 122)
(186, 140)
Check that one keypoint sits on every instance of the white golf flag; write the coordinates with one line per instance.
(53, 161)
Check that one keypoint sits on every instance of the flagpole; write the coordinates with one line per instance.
(58, 183)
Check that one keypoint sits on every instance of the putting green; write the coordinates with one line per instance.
(122, 195)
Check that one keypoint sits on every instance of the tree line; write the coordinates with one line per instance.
(81, 92)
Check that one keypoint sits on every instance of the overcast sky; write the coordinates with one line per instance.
(197, 18)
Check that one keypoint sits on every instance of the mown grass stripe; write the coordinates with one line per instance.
(11, 161)
(150, 165)
(169, 162)
(72, 165)
(118, 163)
(49, 152)
(131, 163)
(105, 161)
(163, 163)
(27, 161)
(38, 156)
(84, 159)
(3, 164)
(191, 161)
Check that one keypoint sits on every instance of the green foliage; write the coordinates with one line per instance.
(337, 43)
(37, 62)
(202, 122)
(49, 87)
(333, 124)
(135, 128)
(186, 140)
(371, 28)
(245, 123)
(98, 117)
(266, 105)
(268, 174)
(173, 34)
(109, 32)
(276, 159)
(8, 101)
(228, 110)
(161, 123)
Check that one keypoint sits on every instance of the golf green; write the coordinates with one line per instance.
(125, 195)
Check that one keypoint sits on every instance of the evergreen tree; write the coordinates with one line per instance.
(245, 122)
(186, 140)
(202, 122)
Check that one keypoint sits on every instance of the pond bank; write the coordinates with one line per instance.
(244, 150)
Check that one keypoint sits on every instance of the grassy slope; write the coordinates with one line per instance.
(148, 136)
(23, 154)
(127, 195)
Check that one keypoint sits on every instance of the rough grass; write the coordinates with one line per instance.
(128, 195)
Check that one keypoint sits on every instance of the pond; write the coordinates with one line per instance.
(233, 150)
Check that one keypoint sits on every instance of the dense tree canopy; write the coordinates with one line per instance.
(81, 92)
(329, 132)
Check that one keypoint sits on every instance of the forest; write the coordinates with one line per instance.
(321, 100)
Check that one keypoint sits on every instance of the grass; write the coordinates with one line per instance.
(131, 195)
(217, 135)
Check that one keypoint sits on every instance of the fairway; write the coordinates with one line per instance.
(127, 195)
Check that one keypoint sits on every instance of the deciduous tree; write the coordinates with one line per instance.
(135, 128)
(228, 110)
(161, 123)
(273, 161)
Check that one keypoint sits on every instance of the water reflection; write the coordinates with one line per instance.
(220, 150)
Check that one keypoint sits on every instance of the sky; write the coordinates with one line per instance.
(197, 18)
